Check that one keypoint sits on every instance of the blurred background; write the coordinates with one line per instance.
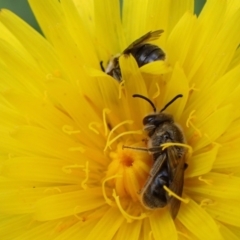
(22, 9)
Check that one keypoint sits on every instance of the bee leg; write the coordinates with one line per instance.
(185, 166)
(116, 73)
(102, 67)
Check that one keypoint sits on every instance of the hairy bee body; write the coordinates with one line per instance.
(168, 164)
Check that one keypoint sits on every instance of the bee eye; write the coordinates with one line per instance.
(149, 119)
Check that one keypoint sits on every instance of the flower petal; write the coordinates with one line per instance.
(228, 156)
(177, 10)
(180, 38)
(201, 163)
(219, 55)
(36, 45)
(210, 130)
(131, 230)
(198, 221)
(133, 10)
(48, 170)
(102, 230)
(177, 84)
(209, 22)
(108, 28)
(226, 211)
(162, 231)
(227, 233)
(214, 185)
(68, 204)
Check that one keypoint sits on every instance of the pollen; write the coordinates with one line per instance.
(127, 161)
(133, 166)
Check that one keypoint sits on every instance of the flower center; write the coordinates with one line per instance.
(127, 161)
(132, 167)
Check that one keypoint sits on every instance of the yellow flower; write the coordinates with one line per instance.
(64, 171)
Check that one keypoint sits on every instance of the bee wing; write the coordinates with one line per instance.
(150, 36)
(148, 200)
(154, 170)
(176, 168)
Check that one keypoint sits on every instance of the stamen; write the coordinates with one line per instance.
(158, 91)
(105, 112)
(77, 149)
(128, 217)
(120, 88)
(120, 135)
(86, 170)
(207, 202)
(67, 169)
(69, 130)
(212, 142)
(189, 123)
(91, 127)
(82, 219)
(166, 145)
(192, 88)
(52, 188)
(171, 193)
(207, 181)
(108, 200)
(184, 235)
(62, 225)
(116, 127)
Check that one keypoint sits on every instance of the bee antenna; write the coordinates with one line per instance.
(169, 103)
(147, 99)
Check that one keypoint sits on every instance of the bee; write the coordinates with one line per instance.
(168, 164)
(142, 51)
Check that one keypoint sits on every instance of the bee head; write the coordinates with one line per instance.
(154, 120)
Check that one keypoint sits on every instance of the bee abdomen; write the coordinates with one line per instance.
(147, 53)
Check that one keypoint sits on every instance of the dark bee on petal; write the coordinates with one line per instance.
(169, 164)
(141, 50)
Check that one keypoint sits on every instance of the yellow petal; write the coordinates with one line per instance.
(131, 11)
(219, 55)
(180, 38)
(177, 84)
(35, 43)
(214, 185)
(134, 84)
(157, 67)
(68, 204)
(102, 229)
(200, 223)
(205, 33)
(162, 231)
(108, 28)
(226, 211)
(228, 156)
(131, 230)
(39, 169)
(227, 233)
(177, 10)
(201, 163)
(210, 130)
(235, 60)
